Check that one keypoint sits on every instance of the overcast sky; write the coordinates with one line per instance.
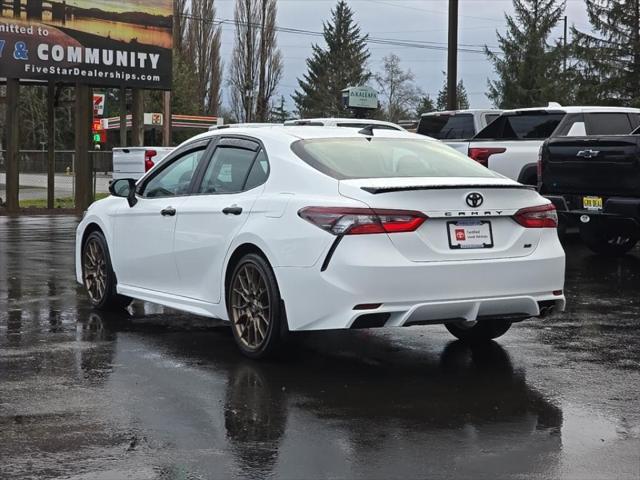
(416, 20)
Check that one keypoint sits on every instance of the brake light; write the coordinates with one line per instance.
(359, 221)
(148, 162)
(481, 154)
(543, 216)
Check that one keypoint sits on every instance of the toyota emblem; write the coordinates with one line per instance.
(474, 199)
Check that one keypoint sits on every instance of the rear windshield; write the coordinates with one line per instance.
(526, 126)
(447, 126)
(348, 158)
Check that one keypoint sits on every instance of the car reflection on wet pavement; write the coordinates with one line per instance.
(164, 395)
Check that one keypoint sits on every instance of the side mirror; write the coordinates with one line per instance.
(125, 188)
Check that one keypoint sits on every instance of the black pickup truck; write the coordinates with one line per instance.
(594, 182)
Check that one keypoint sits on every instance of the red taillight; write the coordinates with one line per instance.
(543, 216)
(481, 155)
(360, 221)
(148, 162)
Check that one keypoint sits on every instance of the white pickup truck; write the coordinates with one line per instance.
(510, 145)
(134, 162)
(456, 127)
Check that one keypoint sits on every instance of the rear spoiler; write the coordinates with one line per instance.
(377, 190)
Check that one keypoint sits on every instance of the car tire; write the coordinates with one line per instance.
(480, 331)
(255, 308)
(610, 244)
(98, 277)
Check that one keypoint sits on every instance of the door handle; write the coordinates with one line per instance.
(168, 212)
(234, 210)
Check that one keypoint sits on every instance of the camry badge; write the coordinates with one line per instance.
(474, 199)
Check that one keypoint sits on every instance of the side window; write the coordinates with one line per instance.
(490, 117)
(259, 172)
(447, 126)
(608, 123)
(635, 119)
(228, 170)
(577, 130)
(175, 179)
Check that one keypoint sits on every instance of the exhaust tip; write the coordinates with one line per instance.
(546, 307)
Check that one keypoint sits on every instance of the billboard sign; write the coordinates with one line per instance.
(360, 97)
(97, 42)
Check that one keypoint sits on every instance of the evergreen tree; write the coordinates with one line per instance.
(608, 64)
(425, 105)
(279, 113)
(461, 96)
(340, 65)
(529, 69)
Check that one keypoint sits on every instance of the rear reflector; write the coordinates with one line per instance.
(481, 155)
(557, 293)
(362, 221)
(543, 216)
(367, 306)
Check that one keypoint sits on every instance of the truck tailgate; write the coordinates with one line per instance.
(606, 166)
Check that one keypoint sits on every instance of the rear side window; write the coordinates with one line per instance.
(228, 170)
(525, 126)
(447, 126)
(259, 172)
(608, 123)
(348, 158)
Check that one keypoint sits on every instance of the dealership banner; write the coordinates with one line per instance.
(97, 42)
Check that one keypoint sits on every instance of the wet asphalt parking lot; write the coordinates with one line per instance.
(165, 395)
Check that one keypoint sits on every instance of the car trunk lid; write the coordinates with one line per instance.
(451, 212)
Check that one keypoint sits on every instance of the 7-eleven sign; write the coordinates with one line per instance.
(98, 104)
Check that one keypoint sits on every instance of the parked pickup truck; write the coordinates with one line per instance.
(510, 144)
(594, 182)
(456, 127)
(134, 162)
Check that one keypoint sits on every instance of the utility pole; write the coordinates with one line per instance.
(564, 42)
(452, 62)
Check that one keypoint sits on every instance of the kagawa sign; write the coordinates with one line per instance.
(360, 97)
(97, 42)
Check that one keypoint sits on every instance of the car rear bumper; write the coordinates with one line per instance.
(619, 213)
(377, 286)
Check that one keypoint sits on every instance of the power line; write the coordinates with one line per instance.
(440, 46)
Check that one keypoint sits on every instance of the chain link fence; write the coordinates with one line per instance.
(33, 167)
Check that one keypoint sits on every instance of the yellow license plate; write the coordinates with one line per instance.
(592, 203)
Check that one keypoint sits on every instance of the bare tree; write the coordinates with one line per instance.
(203, 49)
(256, 69)
(180, 14)
(270, 61)
(400, 94)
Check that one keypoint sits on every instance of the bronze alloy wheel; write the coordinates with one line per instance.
(95, 270)
(250, 306)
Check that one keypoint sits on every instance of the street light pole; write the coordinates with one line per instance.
(452, 61)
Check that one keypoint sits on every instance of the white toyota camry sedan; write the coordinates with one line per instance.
(280, 229)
